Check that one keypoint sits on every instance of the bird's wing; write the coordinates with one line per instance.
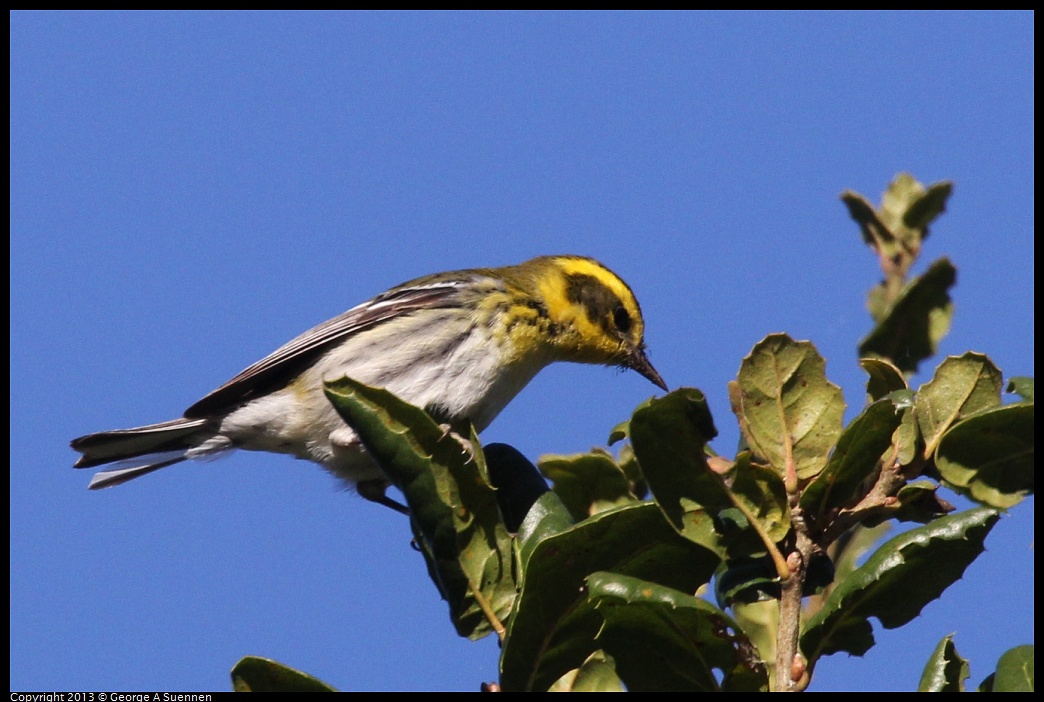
(279, 368)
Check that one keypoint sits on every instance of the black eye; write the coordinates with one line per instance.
(622, 320)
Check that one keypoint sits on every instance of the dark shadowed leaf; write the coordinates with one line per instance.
(856, 457)
(553, 627)
(918, 502)
(453, 509)
(666, 640)
(669, 436)
(896, 582)
(923, 210)
(588, 483)
(517, 482)
(910, 329)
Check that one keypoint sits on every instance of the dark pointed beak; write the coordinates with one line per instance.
(640, 362)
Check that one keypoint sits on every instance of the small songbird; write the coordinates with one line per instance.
(460, 344)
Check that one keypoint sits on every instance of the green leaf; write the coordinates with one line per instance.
(907, 442)
(666, 640)
(857, 456)
(926, 207)
(597, 674)
(790, 414)
(910, 329)
(896, 232)
(920, 502)
(876, 233)
(990, 455)
(453, 509)
(1022, 386)
(669, 436)
(961, 386)
(761, 491)
(254, 674)
(746, 579)
(760, 622)
(945, 671)
(1015, 670)
(896, 582)
(588, 483)
(620, 432)
(884, 378)
(547, 517)
(552, 629)
(632, 471)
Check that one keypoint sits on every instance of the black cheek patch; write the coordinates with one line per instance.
(602, 305)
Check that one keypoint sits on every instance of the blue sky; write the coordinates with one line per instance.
(189, 191)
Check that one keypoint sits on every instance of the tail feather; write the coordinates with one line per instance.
(134, 469)
(177, 435)
(139, 451)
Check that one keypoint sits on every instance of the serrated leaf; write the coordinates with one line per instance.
(255, 674)
(945, 671)
(453, 509)
(1022, 386)
(597, 674)
(884, 378)
(961, 386)
(552, 630)
(910, 329)
(989, 456)
(666, 640)
(1015, 670)
(856, 457)
(788, 411)
(896, 582)
(588, 483)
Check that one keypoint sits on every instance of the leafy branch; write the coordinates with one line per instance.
(592, 586)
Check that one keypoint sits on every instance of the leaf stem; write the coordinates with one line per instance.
(487, 609)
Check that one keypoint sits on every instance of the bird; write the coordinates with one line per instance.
(460, 344)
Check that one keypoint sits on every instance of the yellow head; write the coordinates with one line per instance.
(584, 311)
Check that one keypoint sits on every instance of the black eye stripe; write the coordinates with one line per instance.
(603, 306)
